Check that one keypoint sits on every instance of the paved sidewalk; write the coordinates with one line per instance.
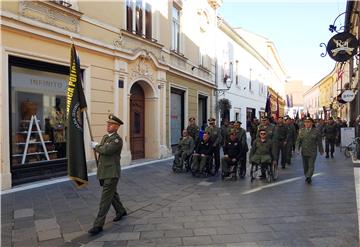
(167, 209)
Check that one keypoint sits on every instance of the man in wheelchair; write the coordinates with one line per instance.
(202, 156)
(232, 154)
(184, 150)
(262, 154)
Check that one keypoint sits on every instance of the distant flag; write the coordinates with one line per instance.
(75, 105)
(325, 112)
(297, 115)
(291, 101)
(288, 101)
(307, 113)
(268, 105)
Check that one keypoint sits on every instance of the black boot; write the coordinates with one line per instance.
(332, 155)
(327, 155)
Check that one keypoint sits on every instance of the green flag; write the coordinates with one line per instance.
(75, 105)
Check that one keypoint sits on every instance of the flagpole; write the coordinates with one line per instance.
(91, 136)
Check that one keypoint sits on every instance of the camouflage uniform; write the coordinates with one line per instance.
(215, 137)
(184, 149)
(330, 133)
(309, 141)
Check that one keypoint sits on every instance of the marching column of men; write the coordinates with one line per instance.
(200, 149)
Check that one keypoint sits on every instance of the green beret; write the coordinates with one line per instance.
(114, 120)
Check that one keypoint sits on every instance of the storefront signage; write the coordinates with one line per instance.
(39, 81)
(342, 46)
(348, 95)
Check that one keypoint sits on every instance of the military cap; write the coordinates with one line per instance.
(264, 118)
(211, 119)
(308, 119)
(191, 118)
(232, 131)
(114, 120)
(237, 122)
(262, 129)
(331, 118)
(231, 122)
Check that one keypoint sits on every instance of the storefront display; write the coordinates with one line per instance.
(38, 139)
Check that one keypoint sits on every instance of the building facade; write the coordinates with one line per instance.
(141, 60)
(246, 72)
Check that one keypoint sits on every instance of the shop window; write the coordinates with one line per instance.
(37, 112)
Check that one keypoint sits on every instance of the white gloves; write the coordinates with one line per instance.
(93, 144)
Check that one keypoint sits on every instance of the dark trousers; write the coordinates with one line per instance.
(242, 170)
(216, 154)
(109, 197)
(331, 143)
(281, 148)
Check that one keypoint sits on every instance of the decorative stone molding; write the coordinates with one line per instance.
(142, 69)
(51, 13)
(119, 41)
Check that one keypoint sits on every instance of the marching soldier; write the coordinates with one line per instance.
(280, 140)
(225, 129)
(309, 141)
(215, 137)
(267, 126)
(330, 133)
(291, 138)
(192, 129)
(232, 153)
(241, 136)
(184, 149)
(108, 173)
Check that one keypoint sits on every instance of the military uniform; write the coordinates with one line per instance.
(215, 137)
(262, 152)
(280, 140)
(270, 130)
(193, 130)
(202, 153)
(184, 149)
(309, 141)
(290, 142)
(232, 152)
(330, 132)
(241, 136)
(108, 173)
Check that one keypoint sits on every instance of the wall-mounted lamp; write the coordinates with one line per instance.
(228, 83)
(193, 67)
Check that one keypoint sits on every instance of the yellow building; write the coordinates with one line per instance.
(326, 94)
(276, 100)
(141, 60)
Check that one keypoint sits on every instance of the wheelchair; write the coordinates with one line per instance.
(206, 171)
(271, 171)
(186, 165)
(233, 171)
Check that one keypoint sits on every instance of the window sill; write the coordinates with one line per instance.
(178, 55)
(204, 69)
(142, 38)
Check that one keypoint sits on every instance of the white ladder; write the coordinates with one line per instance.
(32, 121)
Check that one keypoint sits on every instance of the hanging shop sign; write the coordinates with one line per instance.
(342, 46)
(348, 95)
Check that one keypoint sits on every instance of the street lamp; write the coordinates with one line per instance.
(221, 91)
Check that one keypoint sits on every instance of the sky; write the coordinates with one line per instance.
(296, 28)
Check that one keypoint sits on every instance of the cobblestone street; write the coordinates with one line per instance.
(167, 209)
